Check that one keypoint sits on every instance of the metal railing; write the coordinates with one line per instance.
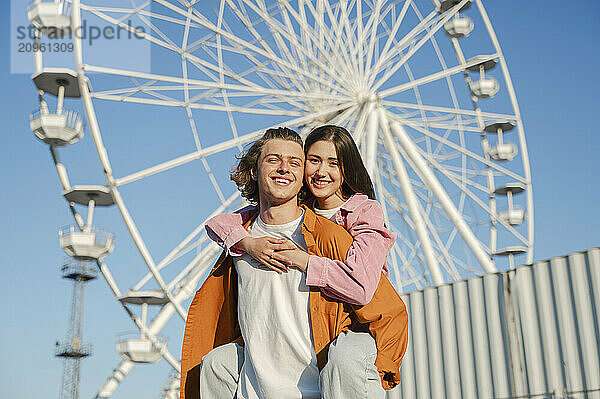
(64, 8)
(73, 351)
(127, 335)
(81, 270)
(72, 118)
(101, 236)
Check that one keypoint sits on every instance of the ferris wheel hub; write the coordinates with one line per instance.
(365, 97)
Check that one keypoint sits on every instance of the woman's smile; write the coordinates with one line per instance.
(323, 174)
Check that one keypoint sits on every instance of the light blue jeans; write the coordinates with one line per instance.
(350, 371)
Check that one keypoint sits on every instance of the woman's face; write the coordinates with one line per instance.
(323, 174)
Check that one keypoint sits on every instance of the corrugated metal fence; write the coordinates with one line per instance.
(529, 332)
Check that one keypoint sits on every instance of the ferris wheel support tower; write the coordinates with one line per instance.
(73, 349)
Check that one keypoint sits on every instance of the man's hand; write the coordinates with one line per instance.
(293, 257)
(263, 250)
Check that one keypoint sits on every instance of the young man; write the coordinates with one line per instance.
(268, 335)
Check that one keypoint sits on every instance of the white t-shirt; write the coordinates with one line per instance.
(273, 313)
(329, 213)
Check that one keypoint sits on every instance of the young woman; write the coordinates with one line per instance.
(340, 189)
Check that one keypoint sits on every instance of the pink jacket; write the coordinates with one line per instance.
(353, 281)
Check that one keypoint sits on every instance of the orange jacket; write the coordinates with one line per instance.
(212, 316)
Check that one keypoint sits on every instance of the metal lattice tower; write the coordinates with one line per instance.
(73, 349)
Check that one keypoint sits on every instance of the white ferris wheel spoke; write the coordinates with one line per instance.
(433, 184)
(351, 41)
(459, 148)
(463, 150)
(182, 160)
(279, 41)
(340, 46)
(359, 35)
(379, 189)
(211, 176)
(459, 181)
(449, 265)
(478, 201)
(343, 117)
(430, 123)
(339, 49)
(201, 84)
(359, 126)
(435, 76)
(203, 260)
(191, 120)
(165, 42)
(249, 91)
(180, 249)
(267, 52)
(173, 103)
(149, 331)
(430, 32)
(242, 49)
(417, 93)
(153, 27)
(154, 328)
(450, 84)
(411, 242)
(448, 110)
(388, 59)
(448, 261)
(392, 33)
(315, 60)
(199, 264)
(413, 205)
(184, 251)
(335, 40)
(143, 249)
(302, 43)
(320, 31)
(371, 27)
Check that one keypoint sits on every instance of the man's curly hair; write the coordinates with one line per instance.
(248, 161)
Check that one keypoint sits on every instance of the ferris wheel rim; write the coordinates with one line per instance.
(499, 56)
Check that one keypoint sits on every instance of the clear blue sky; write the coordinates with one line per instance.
(552, 53)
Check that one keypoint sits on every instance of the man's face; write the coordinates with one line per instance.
(280, 171)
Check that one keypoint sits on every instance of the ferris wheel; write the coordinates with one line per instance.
(422, 85)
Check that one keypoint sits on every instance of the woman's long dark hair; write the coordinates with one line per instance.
(356, 177)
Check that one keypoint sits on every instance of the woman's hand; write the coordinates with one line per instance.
(263, 250)
(292, 257)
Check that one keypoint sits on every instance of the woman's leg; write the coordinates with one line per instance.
(350, 371)
(220, 371)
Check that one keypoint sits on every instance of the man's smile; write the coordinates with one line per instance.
(281, 181)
